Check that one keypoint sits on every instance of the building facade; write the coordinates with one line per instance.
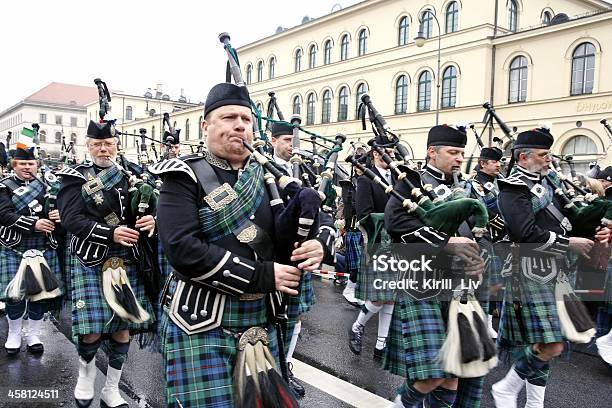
(531, 62)
(60, 111)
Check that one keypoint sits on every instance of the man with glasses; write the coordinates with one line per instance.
(108, 297)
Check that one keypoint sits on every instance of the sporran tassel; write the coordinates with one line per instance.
(574, 325)
(32, 287)
(489, 350)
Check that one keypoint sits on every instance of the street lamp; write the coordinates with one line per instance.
(420, 41)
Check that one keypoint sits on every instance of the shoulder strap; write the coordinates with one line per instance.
(171, 165)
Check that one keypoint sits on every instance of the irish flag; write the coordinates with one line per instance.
(26, 139)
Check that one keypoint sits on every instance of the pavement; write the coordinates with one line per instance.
(332, 375)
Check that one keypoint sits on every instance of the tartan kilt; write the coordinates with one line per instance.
(90, 312)
(538, 313)
(416, 335)
(10, 260)
(353, 242)
(199, 368)
(165, 270)
(300, 304)
(365, 290)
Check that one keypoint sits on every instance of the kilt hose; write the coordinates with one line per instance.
(90, 312)
(10, 260)
(199, 367)
(300, 304)
(539, 320)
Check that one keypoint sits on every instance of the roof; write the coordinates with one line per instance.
(64, 94)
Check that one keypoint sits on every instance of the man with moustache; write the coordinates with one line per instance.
(217, 230)
(530, 321)
(103, 233)
(25, 225)
(418, 327)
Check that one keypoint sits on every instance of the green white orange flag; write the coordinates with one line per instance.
(26, 139)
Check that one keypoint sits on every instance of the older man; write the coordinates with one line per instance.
(25, 225)
(217, 229)
(108, 299)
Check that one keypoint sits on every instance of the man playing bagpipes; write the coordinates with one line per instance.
(30, 277)
(107, 293)
(282, 139)
(172, 143)
(438, 339)
(371, 199)
(540, 311)
(218, 231)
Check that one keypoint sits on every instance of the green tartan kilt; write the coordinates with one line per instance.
(298, 305)
(417, 332)
(538, 313)
(199, 368)
(10, 260)
(365, 290)
(90, 312)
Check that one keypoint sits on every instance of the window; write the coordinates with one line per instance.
(343, 104)
(327, 52)
(58, 137)
(449, 87)
(73, 138)
(361, 89)
(312, 56)
(128, 113)
(73, 121)
(260, 71)
(424, 96)
(187, 129)
(583, 69)
(427, 24)
(297, 66)
(518, 80)
(402, 34)
(363, 42)
(200, 127)
(42, 118)
(583, 149)
(326, 107)
(297, 105)
(512, 15)
(271, 68)
(401, 95)
(310, 109)
(344, 45)
(249, 76)
(546, 17)
(58, 119)
(452, 17)
(42, 135)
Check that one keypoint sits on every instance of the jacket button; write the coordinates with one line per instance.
(226, 273)
(252, 217)
(184, 308)
(215, 283)
(203, 313)
(193, 316)
(236, 260)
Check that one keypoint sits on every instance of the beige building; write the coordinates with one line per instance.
(60, 111)
(535, 66)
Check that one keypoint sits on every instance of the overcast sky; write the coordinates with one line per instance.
(133, 44)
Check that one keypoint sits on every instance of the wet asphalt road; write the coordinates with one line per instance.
(580, 380)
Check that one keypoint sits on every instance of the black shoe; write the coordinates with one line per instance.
(296, 386)
(378, 354)
(36, 348)
(105, 405)
(83, 403)
(355, 339)
(12, 351)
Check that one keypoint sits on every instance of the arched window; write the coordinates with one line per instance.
(297, 66)
(452, 17)
(73, 137)
(344, 47)
(424, 97)
(402, 33)
(310, 109)
(58, 137)
(363, 42)
(427, 24)
(449, 87)
(200, 127)
(326, 107)
(128, 113)
(187, 129)
(401, 95)
(512, 15)
(583, 69)
(312, 56)
(249, 74)
(518, 80)
(297, 105)
(260, 71)
(343, 104)
(546, 17)
(361, 89)
(271, 68)
(583, 149)
(327, 52)
(42, 135)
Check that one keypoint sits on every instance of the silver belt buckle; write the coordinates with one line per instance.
(93, 186)
(227, 194)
